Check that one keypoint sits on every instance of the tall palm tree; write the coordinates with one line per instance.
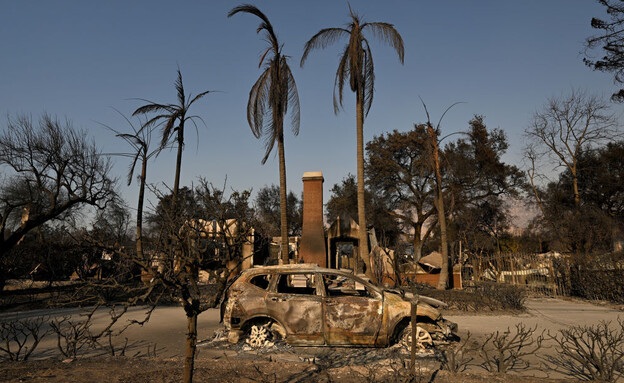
(172, 117)
(139, 140)
(270, 97)
(356, 66)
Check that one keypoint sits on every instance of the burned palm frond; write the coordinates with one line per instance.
(272, 97)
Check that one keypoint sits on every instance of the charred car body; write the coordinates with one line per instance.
(312, 306)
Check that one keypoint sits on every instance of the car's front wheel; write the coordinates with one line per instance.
(423, 339)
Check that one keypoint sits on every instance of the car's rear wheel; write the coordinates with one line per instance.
(423, 339)
(263, 334)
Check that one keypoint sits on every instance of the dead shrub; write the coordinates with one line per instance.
(72, 336)
(590, 353)
(20, 337)
(483, 297)
(503, 352)
(264, 376)
(372, 374)
(121, 351)
(500, 296)
(458, 358)
(596, 277)
(151, 350)
(402, 372)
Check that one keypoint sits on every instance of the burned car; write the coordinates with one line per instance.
(312, 306)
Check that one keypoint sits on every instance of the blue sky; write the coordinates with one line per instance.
(80, 59)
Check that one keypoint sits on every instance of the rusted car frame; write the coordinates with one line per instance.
(313, 306)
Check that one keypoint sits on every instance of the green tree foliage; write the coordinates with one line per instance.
(186, 205)
(474, 180)
(343, 199)
(602, 172)
(475, 169)
(343, 202)
(400, 172)
(267, 205)
(610, 39)
(576, 209)
(599, 219)
(478, 182)
(480, 226)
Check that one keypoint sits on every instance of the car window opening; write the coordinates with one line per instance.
(297, 284)
(337, 286)
(261, 281)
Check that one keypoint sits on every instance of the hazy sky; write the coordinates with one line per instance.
(80, 59)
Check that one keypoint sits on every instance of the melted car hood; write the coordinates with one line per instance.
(407, 296)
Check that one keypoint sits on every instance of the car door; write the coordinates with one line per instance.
(353, 311)
(296, 302)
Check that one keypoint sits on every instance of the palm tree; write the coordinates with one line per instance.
(439, 195)
(173, 117)
(270, 97)
(356, 66)
(139, 140)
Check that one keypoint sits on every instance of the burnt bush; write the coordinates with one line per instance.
(596, 277)
(457, 358)
(508, 350)
(20, 337)
(502, 296)
(484, 296)
(590, 353)
(72, 335)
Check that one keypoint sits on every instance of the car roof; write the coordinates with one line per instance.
(304, 268)
(298, 267)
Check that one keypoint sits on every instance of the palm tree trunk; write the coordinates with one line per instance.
(283, 201)
(444, 272)
(363, 237)
(191, 346)
(176, 182)
(139, 224)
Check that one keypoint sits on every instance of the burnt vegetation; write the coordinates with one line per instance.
(66, 230)
(507, 350)
(483, 297)
(590, 353)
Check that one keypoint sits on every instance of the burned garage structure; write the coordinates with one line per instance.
(307, 305)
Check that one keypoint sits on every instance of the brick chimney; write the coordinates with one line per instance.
(312, 236)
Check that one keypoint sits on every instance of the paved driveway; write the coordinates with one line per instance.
(547, 313)
(167, 327)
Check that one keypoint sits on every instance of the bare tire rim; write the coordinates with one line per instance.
(259, 336)
(423, 338)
